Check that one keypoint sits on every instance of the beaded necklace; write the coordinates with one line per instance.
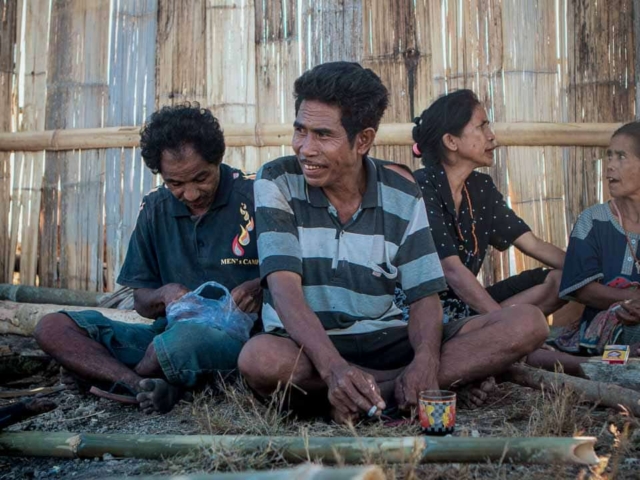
(473, 226)
(626, 236)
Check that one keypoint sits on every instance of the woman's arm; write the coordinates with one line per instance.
(466, 286)
(542, 251)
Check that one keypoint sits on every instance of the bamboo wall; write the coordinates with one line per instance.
(103, 63)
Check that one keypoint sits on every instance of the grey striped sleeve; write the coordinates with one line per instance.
(278, 244)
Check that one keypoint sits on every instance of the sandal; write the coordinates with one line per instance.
(119, 392)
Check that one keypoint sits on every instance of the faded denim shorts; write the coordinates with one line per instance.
(190, 354)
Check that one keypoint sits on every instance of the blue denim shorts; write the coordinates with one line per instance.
(190, 354)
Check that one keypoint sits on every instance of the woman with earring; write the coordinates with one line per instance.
(602, 266)
(467, 213)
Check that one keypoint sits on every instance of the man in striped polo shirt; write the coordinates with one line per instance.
(337, 230)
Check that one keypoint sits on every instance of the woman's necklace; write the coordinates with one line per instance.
(626, 236)
(473, 225)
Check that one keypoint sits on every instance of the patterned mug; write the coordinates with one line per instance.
(437, 411)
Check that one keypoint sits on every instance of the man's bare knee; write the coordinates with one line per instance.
(532, 326)
(52, 327)
(259, 366)
(265, 362)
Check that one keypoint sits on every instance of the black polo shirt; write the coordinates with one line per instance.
(495, 223)
(169, 245)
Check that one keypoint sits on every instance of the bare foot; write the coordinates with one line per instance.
(475, 395)
(157, 395)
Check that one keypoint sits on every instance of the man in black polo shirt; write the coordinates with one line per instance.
(195, 228)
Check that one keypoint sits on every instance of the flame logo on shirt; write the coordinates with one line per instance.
(243, 238)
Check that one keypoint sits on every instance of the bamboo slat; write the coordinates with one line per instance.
(331, 31)
(76, 90)
(8, 29)
(394, 52)
(531, 65)
(280, 53)
(181, 49)
(467, 52)
(601, 88)
(131, 99)
(231, 71)
(26, 205)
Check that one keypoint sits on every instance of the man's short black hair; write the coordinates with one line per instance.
(173, 128)
(357, 91)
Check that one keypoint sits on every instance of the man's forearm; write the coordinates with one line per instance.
(302, 324)
(601, 297)
(425, 333)
(151, 303)
(466, 286)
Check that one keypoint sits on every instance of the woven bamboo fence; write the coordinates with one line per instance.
(70, 197)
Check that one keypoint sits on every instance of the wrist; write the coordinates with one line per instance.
(331, 366)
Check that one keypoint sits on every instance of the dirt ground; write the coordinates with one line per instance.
(510, 411)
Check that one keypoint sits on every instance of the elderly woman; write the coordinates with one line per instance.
(467, 213)
(602, 266)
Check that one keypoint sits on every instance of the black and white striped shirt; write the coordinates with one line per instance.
(349, 272)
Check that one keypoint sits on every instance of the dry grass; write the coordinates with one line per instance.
(511, 411)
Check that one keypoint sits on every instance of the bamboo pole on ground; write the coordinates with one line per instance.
(22, 318)
(305, 472)
(55, 296)
(17, 412)
(349, 450)
(259, 135)
(599, 393)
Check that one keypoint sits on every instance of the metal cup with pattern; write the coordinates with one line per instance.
(437, 412)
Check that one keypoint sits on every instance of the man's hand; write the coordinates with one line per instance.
(248, 296)
(411, 382)
(352, 391)
(172, 292)
(629, 312)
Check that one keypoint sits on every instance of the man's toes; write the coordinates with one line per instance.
(147, 385)
(488, 385)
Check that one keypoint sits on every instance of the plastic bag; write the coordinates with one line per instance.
(221, 313)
